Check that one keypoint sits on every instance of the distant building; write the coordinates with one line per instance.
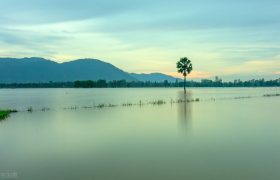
(237, 81)
(206, 81)
(218, 80)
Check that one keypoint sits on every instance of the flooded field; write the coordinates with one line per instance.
(156, 133)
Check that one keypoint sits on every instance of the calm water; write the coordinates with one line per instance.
(221, 137)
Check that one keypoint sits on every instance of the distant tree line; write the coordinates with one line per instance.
(38, 85)
(131, 84)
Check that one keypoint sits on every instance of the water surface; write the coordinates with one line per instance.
(220, 137)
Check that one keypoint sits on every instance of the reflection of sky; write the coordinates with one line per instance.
(226, 38)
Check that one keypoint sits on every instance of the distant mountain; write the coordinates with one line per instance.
(154, 77)
(38, 70)
(34, 70)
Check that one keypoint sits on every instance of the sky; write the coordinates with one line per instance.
(225, 38)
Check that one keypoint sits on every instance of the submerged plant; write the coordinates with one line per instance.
(127, 104)
(45, 109)
(270, 95)
(158, 102)
(87, 107)
(101, 106)
(112, 105)
(30, 109)
(242, 97)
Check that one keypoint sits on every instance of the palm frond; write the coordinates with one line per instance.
(184, 66)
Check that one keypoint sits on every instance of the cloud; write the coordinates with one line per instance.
(41, 11)
(146, 36)
(19, 43)
(156, 14)
(254, 67)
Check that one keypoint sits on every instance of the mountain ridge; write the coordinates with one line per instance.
(37, 69)
(154, 77)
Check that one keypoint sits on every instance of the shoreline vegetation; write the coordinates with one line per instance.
(5, 113)
(148, 84)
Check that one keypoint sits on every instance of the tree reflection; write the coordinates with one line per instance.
(184, 110)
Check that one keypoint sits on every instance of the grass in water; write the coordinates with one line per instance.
(158, 102)
(30, 109)
(112, 105)
(127, 104)
(101, 106)
(5, 113)
(271, 95)
(45, 109)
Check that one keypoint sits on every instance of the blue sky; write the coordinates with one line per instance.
(231, 39)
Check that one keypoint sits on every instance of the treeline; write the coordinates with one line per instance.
(203, 83)
(139, 84)
(38, 85)
(119, 84)
(238, 83)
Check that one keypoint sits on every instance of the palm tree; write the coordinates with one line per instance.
(184, 67)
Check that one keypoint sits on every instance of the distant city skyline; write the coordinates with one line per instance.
(230, 39)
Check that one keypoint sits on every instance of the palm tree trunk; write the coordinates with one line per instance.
(185, 84)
